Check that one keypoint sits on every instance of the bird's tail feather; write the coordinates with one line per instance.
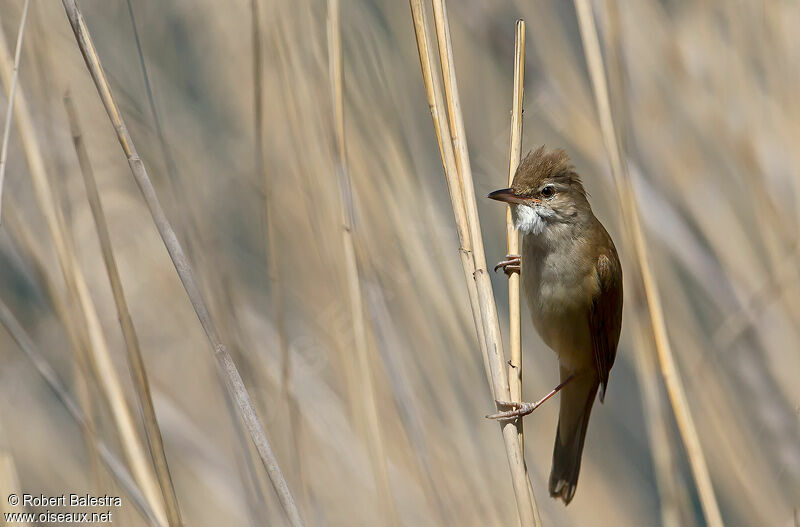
(577, 399)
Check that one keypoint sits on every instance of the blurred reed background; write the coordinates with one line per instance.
(704, 96)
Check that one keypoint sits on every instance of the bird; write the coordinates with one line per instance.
(572, 279)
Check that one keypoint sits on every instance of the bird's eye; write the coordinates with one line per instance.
(548, 191)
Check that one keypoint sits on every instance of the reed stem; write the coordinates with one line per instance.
(233, 380)
(105, 373)
(46, 371)
(273, 271)
(11, 93)
(433, 90)
(468, 228)
(365, 381)
(515, 154)
(138, 372)
(627, 200)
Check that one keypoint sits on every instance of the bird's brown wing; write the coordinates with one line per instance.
(605, 315)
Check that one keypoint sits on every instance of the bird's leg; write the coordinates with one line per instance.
(511, 264)
(521, 409)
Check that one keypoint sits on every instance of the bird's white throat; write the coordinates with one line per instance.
(527, 219)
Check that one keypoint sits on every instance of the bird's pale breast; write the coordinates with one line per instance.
(558, 286)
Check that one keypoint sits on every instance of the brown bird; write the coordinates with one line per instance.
(572, 278)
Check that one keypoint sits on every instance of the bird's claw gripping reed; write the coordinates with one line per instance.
(510, 265)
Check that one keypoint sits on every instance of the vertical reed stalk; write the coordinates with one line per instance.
(135, 361)
(76, 285)
(469, 235)
(515, 328)
(366, 382)
(233, 380)
(276, 286)
(627, 200)
(11, 93)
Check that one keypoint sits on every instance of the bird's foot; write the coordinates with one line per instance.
(512, 264)
(518, 409)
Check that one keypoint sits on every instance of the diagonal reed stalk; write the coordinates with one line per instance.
(433, 90)
(515, 153)
(469, 235)
(114, 465)
(365, 382)
(627, 200)
(28, 248)
(656, 418)
(139, 374)
(481, 276)
(229, 371)
(11, 93)
(105, 373)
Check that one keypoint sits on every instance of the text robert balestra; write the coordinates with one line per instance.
(70, 500)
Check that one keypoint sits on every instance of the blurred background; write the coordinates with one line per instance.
(705, 99)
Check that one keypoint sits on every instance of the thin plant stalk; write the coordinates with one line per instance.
(228, 369)
(276, 286)
(11, 93)
(172, 171)
(46, 371)
(106, 375)
(181, 206)
(515, 154)
(466, 217)
(657, 418)
(627, 200)
(138, 372)
(667, 477)
(258, 477)
(365, 381)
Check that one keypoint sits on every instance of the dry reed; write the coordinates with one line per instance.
(366, 396)
(233, 381)
(11, 92)
(48, 373)
(465, 210)
(105, 374)
(135, 361)
(26, 245)
(273, 271)
(627, 201)
(434, 93)
(512, 237)
(707, 119)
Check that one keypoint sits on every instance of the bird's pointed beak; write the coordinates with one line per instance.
(507, 195)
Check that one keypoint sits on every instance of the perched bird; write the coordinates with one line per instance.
(572, 279)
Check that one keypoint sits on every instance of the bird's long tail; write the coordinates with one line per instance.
(577, 399)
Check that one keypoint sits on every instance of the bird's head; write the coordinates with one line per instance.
(546, 190)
